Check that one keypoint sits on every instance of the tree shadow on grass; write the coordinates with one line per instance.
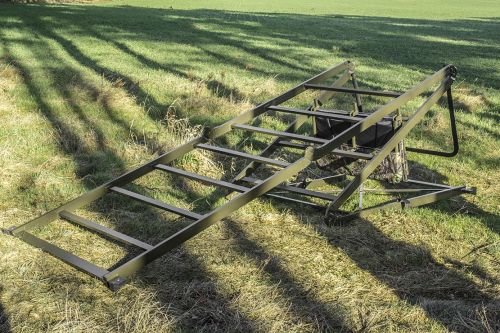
(444, 292)
(188, 292)
(4, 319)
(303, 305)
(411, 272)
(362, 40)
(456, 205)
(419, 44)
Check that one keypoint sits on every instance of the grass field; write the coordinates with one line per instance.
(88, 91)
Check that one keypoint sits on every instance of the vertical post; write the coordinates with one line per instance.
(359, 107)
(453, 123)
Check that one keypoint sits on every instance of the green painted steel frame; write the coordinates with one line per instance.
(360, 122)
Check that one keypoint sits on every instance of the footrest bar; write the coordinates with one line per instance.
(103, 230)
(293, 189)
(156, 203)
(315, 114)
(340, 152)
(353, 91)
(281, 134)
(202, 179)
(235, 153)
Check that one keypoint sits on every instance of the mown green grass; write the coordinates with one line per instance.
(89, 91)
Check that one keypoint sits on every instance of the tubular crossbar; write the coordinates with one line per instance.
(113, 234)
(202, 179)
(294, 189)
(318, 113)
(68, 257)
(280, 134)
(239, 188)
(354, 91)
(339, 152)
(155, 203)
(332, 114)
(235, 153)
(313, 148)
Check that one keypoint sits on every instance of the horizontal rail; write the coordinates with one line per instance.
(422, 183)
(297, 201)
(280, 134)
(103, 230)
(329, 115)
(235, 153)
(360, 115)
(69, 258)
(295, 145)
(293, 189)
(340, 152)
(229, 185)
(353, 91)
(156, 203)
(200, 178)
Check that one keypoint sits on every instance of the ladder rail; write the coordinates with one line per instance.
(175, 153)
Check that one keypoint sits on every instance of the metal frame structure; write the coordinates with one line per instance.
(249, 187)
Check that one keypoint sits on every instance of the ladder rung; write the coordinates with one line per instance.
(63, 255)
(227, 184)
(340, 152)
(236, 153)
(103, 230)
(280, 134)
(293, 189)
(296, 145)
(156, 203)
(201, 178)
(315, 113)
(302, 202)
(360, 115)
(353, 91)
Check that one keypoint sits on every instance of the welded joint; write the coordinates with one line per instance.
(470, 190)
(8, 231)
(309, 153)
(116, 283)
(452, 70)
(404, 203)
